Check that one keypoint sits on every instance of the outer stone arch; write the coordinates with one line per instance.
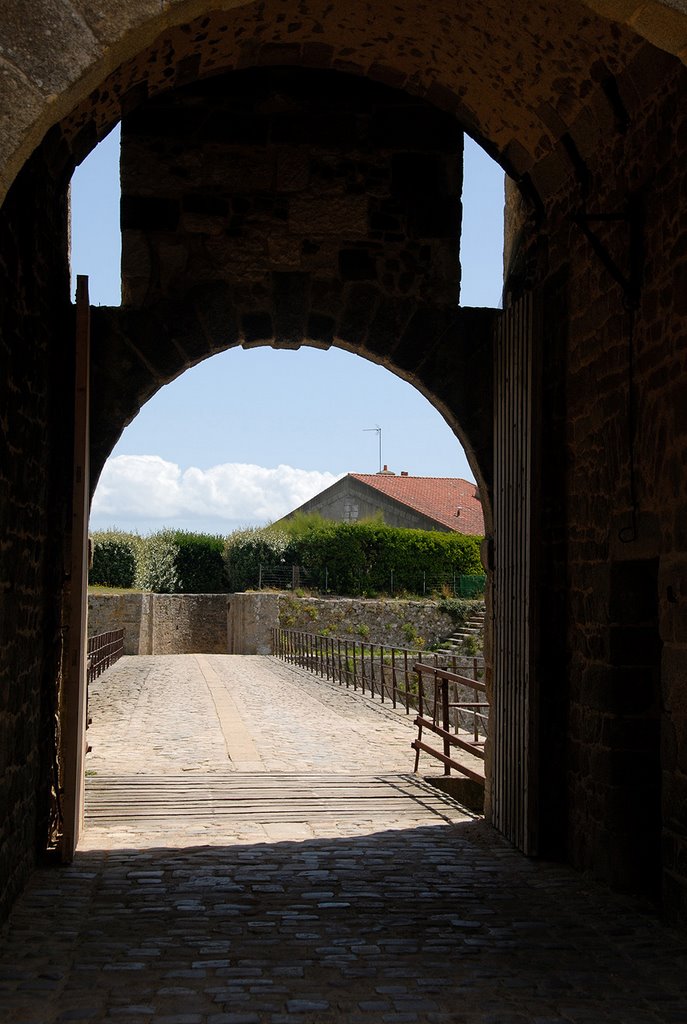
(84, 67)
(595, 117)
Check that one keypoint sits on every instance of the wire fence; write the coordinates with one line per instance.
(391, 582)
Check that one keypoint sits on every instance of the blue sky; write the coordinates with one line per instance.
(249, 434)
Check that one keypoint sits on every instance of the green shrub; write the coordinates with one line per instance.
(178, 562)
(156, 568)
(460, 608)
(408, 631)
(199, 563)
(246, 550)
(113, 558)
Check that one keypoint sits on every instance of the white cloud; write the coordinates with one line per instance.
(146, 492)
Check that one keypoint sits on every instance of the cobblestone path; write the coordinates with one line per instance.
(203, 714)
(343, 892)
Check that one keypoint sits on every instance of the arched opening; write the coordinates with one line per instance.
(383, 192)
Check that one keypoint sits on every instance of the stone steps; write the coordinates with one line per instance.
(473, 627)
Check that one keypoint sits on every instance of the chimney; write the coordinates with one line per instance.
(386, 472)
(404, 472)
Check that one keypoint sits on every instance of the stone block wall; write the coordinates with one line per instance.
(130, 612)
(252, 617)
(35, 481)
(243, 623)
(288, 185)
(190, 623)
(397, 623)
(163, 623)
(613, 660)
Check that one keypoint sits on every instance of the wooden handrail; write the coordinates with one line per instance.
(451, 677)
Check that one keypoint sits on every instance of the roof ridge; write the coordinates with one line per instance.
(412, 476)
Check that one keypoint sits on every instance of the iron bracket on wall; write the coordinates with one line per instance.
(631, 215)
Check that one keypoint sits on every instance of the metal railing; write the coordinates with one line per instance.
(102, 651)
(394, 674)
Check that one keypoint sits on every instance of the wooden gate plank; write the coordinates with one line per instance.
(516, 389)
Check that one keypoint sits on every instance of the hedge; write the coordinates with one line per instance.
(349, 558)
(177, 562)
(341, 558)
(113, 559)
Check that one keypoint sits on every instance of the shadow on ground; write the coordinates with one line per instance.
(445, 923)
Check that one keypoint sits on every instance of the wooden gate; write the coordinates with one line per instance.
(514, 707)
(73, 698)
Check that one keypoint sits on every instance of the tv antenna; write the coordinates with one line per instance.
(378, 431)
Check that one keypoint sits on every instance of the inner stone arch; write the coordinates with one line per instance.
(285, 206)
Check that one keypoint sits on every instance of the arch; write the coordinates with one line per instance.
(287, 207)
(136, 354)
(520, 85)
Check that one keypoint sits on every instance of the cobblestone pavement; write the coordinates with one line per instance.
(203, 714)
(362, 919)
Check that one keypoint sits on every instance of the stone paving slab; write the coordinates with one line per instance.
(323, 919)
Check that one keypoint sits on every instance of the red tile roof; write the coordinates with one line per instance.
(437, 497)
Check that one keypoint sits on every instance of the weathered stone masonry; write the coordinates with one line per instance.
(243, 623)
(35, 438)
(625, 711)
(285, 207)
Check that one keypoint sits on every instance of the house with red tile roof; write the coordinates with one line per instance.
(413, 502)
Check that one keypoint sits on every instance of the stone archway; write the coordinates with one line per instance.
(588, 118)
(60, 59)
(333, 219)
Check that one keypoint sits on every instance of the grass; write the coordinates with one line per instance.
(114, 590)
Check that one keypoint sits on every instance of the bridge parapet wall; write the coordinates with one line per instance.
(243, 623)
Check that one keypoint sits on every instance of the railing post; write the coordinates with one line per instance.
(445, 721)
(420, 695)
(372, 670)
(381, 671)
(407, 680)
